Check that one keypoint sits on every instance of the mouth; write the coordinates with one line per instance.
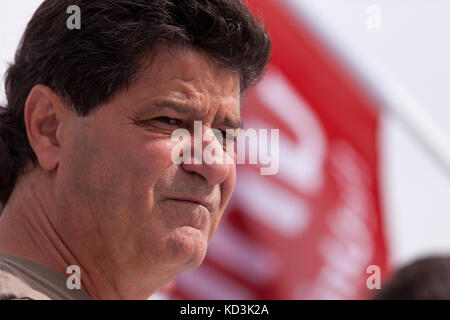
(203, 203)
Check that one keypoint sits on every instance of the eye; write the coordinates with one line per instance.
(167, 120)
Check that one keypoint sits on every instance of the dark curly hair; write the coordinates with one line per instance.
(427, 278)
(88, 66)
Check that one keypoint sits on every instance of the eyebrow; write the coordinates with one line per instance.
(192, 112)
(177, 107)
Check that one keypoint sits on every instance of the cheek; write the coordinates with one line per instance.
(114, 172)
(148, 163)
(156, 153)
(227, 186)
(226, 191)
(142, 165)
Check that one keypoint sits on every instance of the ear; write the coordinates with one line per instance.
(43, 112)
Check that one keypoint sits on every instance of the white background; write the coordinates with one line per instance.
(413, 44)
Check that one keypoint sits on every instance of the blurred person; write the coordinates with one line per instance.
(86, 174)
(424, 279)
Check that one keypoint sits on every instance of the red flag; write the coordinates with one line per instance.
(312, 230)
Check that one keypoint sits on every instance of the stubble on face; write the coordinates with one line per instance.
(118, 184)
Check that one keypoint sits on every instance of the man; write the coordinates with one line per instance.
(87, 180)
(426, 278)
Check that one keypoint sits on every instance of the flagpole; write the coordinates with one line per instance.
(396, 99)
(389, 93)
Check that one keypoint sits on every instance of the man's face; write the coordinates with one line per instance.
(121, 199)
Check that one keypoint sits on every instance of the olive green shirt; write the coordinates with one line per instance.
(23, 279)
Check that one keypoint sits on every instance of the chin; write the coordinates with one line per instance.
(187, 247)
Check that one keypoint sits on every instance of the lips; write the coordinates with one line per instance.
(208, 205)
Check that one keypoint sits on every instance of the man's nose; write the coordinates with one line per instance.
(213, 166)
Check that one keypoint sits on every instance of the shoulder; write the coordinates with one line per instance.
(21, 278)
(14, 288)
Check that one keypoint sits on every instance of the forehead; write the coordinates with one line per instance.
(188, 77)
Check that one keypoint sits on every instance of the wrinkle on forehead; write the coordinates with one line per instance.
(190, 77)
(190, 65)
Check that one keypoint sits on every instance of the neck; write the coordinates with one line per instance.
(27, 229)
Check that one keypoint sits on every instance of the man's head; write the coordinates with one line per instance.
(90, 114)
(427, 278)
